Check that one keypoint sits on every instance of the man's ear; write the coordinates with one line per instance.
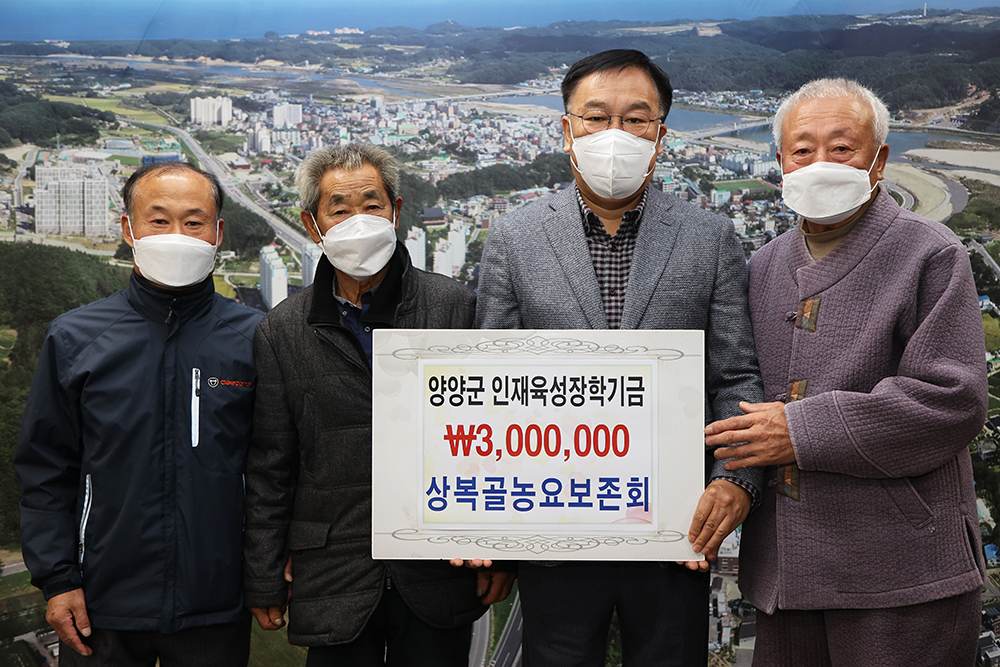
(661, 131)
(881, 159)
(309, 222)
(126, 232)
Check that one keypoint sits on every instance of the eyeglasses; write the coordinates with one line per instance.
(597, 120)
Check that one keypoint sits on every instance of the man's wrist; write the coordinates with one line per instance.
(752, 491)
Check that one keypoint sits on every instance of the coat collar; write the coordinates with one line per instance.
(653, 246)
(324, 309)
(657, 235)
(814, 276)
(564, 229)
(161, 305)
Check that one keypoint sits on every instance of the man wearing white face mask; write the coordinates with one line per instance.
(309, 466)
(870, 341)
(614, 253)
(130, 456)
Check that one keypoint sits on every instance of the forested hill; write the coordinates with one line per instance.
(37, 283)
(31, 119)
(912, 61)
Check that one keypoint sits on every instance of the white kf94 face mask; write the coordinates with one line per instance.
(173, 260)
(613, 163)
(361, 245)
(825, 193)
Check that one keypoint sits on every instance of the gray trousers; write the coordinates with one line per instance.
(943, 633)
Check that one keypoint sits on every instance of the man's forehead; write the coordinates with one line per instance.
(365, 182)
(631, 87)
(841, 114)
(174, 178)
(158, 187)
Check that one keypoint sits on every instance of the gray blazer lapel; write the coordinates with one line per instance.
(657, 233)
(564, 228)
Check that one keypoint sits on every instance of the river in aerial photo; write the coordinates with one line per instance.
(688, 120)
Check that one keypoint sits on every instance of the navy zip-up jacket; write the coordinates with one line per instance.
(130, 457)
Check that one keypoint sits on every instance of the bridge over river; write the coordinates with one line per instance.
(746, 123)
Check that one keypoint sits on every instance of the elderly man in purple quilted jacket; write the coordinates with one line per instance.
(865, 550)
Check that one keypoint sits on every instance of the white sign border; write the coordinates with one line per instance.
(396, 451)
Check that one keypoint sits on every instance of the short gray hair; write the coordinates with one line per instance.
(349, 157)
(827, 89)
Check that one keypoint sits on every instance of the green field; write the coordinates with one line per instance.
(242, 266)
(109, 104)
(219, 142)
(991, 329)
(747, 183)
(223, 288)
(127, 160)
(189, 154)
(128, 131)
(271, 649)
(14, 585)
(244, 281)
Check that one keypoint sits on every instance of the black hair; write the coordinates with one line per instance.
(619, 60)
(128, 192)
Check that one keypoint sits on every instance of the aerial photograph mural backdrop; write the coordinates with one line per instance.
(466, 97)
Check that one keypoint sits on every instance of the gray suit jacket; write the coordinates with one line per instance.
(688, 272)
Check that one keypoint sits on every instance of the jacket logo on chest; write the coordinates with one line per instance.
(214, 382)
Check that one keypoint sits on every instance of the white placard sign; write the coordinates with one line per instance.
(539, 445)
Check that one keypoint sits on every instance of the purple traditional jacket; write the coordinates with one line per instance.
(877, 350)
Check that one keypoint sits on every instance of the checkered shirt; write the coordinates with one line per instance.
(612, 255)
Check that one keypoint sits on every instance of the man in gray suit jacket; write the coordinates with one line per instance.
(613, 252)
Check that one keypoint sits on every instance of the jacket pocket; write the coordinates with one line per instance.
(908, 501)
(307, 535)
(195, 406)
(88, 498)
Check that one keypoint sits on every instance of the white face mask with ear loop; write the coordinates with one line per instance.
(613, 163)
(361, 245)
(825, 193)
(173, 260)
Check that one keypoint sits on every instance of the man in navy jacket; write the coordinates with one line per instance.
(130, 456)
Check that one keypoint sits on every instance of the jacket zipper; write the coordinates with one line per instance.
(195, 405)
(88, 498)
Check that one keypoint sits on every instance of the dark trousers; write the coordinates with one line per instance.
(943, 633)
(394, 636)
(226, 645)
(662, 614)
